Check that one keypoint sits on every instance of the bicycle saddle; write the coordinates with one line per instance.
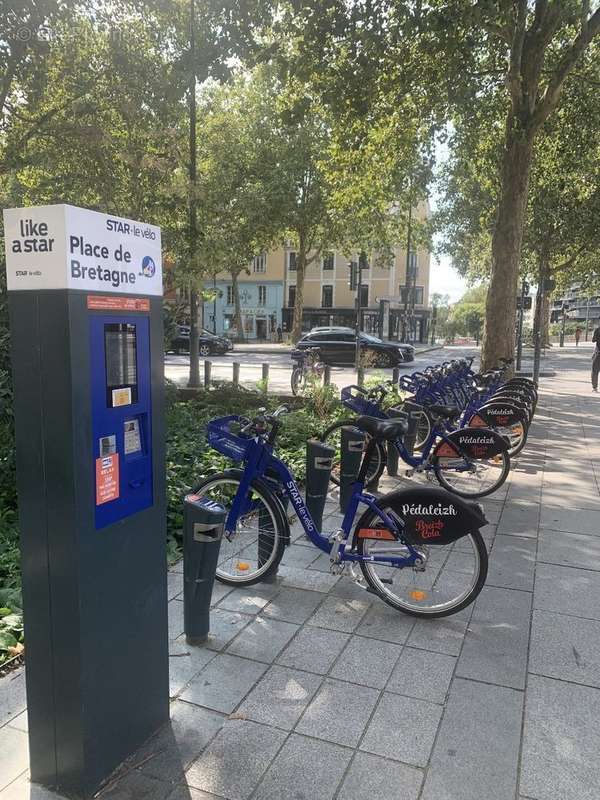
(382, 428)
(448, 412)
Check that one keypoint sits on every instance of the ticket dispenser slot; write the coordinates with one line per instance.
(121, 411)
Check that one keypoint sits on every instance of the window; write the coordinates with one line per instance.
(230, 297)
(262, 295)
(327, 297)
(417, 292)
(364, 296)
(259, 263)
(292, 260)
(412, 266)
(291, 296)
(328, 260)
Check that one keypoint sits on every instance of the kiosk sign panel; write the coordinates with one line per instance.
(85, 301)
(64, 247)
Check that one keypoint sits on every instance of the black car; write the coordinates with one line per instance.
(337, 347)
(208, 343)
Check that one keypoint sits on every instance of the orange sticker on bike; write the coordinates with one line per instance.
(446, 450)
(477, 422)
(376, 533)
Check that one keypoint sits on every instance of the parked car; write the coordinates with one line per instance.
(338, 347)
(208, 343)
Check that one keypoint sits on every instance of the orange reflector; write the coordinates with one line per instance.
(418, 595)
(243, 566)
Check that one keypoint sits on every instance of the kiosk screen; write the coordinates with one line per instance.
(120, 346)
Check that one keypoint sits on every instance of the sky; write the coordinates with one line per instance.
(445, 279)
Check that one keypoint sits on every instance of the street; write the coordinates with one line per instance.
(280, 367)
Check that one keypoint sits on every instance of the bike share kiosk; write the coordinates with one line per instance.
(85, 295)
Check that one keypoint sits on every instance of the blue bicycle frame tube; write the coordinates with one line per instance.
(259, 459)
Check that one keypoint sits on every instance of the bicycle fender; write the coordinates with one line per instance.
(430, 515)
(472, 442)
(493, 415)
(264, 486)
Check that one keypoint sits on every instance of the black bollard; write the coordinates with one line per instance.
(413, 411)
(203, 525)
(319, 461)
(392, 452)
(352, 446)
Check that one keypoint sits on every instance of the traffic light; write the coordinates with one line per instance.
(525, 288)
(362, 261)
(353, 276)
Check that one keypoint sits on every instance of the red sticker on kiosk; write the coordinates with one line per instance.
(115, 303)
(107, 479)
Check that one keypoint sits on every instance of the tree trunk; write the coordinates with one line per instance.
(299, 302)
(239, 323)
(501, 303)
(538, 317)
(545, 321)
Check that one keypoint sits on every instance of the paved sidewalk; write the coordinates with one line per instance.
(311, 689)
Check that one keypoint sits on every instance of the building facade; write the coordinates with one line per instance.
(391, 306)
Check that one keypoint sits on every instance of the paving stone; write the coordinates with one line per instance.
(339, 614)
(20, 722)
(167, 755)
(443, 635)
(338, 713)
(373, 778)
(235, 761)
(137, 786)
(288, 776)
(477, 749)
(307, 579)
(321, 563)
(293, 605)
(220, 590)
(299, 556)
(519, 518)
(422, 674)
(383, 622)
(565, 647)
(14, 753)
(280, 697)
(567, 590)
(224, 683)
(512, 563)
(569, 549)
(367, 661)
(495, 648)
(175, 609)
(561, 741)
(22, 789)
(313, 649)
(263, 639)
(13, 699)
(174, 584)
(224, 626)
(349, 589)
(573, 520)
(185, 662)
(403, 729)
(188, 793)
(250, 599)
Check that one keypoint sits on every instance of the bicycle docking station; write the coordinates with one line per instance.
(411, 415)
(85, 302)
(319, 462)
(352, 449)
(203, 525)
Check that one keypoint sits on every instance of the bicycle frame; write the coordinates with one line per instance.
(260, 458)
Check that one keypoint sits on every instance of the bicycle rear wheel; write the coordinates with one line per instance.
(449, 579)
(477, 478)
(297, 382)
(257, 545)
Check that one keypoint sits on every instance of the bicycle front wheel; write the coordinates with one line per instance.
(297, 382)
(477, 478)
(333, 437)
(449, 579)
(256, 547)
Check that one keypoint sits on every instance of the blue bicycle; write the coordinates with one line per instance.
(419, 549)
